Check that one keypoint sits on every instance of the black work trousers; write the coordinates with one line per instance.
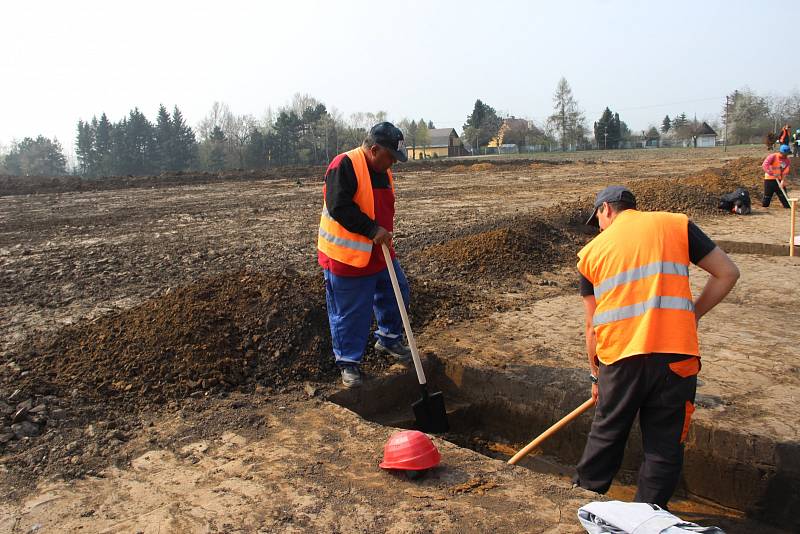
(771, 188)
(664, 400)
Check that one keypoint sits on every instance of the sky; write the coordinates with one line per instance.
(64, 61)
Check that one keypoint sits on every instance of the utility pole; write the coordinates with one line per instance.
(725, 141)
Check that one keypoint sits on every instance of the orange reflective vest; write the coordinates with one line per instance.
(639, 267)
(776, 171)
(334, 240)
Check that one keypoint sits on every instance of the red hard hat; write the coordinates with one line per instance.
(410, 450)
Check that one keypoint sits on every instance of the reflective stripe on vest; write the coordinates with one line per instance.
(344, 242)
(639, 267)
(663, 267)
(334, 240)
(640, 308)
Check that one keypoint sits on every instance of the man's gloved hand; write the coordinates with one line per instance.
(382, 237)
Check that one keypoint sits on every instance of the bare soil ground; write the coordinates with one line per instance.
(155, 334)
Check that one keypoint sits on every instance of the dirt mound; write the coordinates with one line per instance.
(500, 249)
(698, 194)
(694, 195)
(457, 168)
(481, 166)
(746, 170)
(75, 395)
(217, 333)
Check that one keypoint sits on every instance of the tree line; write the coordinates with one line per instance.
(34, 157)
(307, 132)
(303, 133)
(135, 145)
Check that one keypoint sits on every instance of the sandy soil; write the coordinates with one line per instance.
(289, 463)
(301, 466)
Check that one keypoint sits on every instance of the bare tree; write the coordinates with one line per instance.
(303, 101)
(785, 109)
(338, 127)
(567, 119)
(219, 116)
(423, 136)
(237, 135)
(267, 122)
(749, 116)
(366, 120)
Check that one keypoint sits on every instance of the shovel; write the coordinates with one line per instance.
(783, 191)
(522, 453)
(429, 411)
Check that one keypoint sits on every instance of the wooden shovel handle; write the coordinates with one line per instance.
(412, 343)
(550, 431)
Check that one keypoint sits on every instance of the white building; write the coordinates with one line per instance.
(706, 137)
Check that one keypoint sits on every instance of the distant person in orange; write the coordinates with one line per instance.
(776, 168)
(785, 137)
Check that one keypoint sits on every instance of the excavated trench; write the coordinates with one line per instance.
(745, 247)
(497, 411)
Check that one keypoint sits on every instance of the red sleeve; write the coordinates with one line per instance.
(767, 162)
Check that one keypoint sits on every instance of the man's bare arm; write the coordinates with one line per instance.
(724, 275)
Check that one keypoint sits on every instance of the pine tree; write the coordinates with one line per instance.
(140, 143)
(616, 130)
(255, 156)
(102, 144)
(666, 124)
(288, 127)
(121, 153)
(482, 124)
(184, 142)
(567, 119)
(608, 130)
(163, 141)
(680, 121)
(216, 157)
(681, 126)
(601, 129)
(85, 148)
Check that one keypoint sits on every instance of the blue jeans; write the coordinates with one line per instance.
(352, 300)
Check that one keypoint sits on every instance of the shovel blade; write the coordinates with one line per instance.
(430, 414)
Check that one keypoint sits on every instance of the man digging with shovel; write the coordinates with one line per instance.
(641, 337)
(776, 170)
(357, 220)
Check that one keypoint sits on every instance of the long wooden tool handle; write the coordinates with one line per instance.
(793, 203)
(412, 343)
(550, 431)
(783, 190)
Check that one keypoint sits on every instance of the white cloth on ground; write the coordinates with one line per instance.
(616, 517)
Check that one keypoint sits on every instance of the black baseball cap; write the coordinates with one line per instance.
(389, 137)
(612, 193)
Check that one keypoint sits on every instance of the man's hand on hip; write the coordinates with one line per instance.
(382, 237)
